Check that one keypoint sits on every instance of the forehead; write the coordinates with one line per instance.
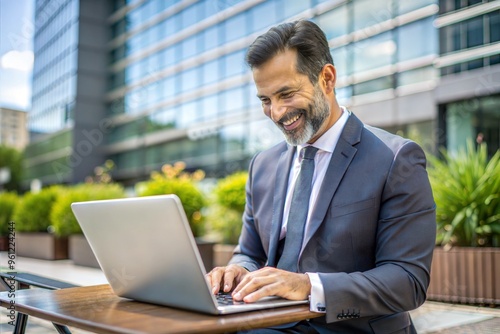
(278, 72)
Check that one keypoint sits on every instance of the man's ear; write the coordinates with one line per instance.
(328, 78)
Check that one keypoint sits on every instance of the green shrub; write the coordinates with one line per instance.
(225, 215)
(174, 180)
(466, 189)
(8, 202)
(32, 214)
(12, 159)
(230, 191)
(61, 216)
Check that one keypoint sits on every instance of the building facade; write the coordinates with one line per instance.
(145, 83)
(13, 128)
(468, 95)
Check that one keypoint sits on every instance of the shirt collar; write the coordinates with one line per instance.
(330, 138)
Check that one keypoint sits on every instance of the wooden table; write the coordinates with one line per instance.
(98, 309)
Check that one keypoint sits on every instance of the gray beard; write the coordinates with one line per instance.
(315, 116)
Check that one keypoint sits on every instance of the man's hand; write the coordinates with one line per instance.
(270, 281)
(229, 276)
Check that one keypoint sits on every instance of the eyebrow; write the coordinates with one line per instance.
(281, 90)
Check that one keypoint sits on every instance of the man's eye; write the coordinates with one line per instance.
(265, 102)
(287, 95)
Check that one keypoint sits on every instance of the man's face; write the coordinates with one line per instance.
(293, 103)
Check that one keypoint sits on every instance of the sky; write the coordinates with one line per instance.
(16, 53)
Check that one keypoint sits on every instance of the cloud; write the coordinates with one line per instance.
(16, 96)
(18, 60)
(15, 88)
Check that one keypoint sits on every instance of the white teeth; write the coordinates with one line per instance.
(290, 121)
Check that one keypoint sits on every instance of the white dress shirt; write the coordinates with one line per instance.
(326, 145)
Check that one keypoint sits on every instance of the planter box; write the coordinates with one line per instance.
(4, 243)
(44, 246)
(80, 252)
(206, 249)
(222, 254)
(465, 275)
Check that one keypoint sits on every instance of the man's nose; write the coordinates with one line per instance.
(277, 110)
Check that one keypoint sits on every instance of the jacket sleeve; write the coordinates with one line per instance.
(249, 253)
(405, 239)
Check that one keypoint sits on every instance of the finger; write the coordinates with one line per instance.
(249, 276)
(229, 276)
(253, 284)
(268, 290)
(216, 277)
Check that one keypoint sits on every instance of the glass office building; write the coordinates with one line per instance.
(469, 93)
(165, 80)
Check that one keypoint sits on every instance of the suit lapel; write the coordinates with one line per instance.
(341, 159)
(280, 188)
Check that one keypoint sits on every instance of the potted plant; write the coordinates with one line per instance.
(174, 179)
(34, 233)
(8, 201)
(66, 226)
(466, 266)
(225, 214)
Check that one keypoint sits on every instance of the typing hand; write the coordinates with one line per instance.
(229, 276)
(270, 281)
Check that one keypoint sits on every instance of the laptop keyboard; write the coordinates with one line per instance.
(227, 299)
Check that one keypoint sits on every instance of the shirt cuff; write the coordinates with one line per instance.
(317, 299)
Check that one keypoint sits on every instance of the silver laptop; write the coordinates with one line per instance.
(147, 252)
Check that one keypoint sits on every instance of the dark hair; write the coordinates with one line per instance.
(304, 36)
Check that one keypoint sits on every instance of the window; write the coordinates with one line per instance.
(233, 138)
(417, 39)
(169, 56)
(170, 87)
(476, 119)
(373, 52)
(294, 7)
(210, 107)
(169, 27)
(473, 2)
(211, 72)
(233, 101)
(450, 38)
(340, 59)
(335, 22)
(494, 19)
(190, 16)
(263, 134)
(371, 12)
(406, 6)
(189, 114)
(163, 119)
(234, 64)
(189, 47)
(446, 6)
(474, 28)
(189, 79)
(263, 16)
(373, 85)
(211, 38)
(235, 27)
(417, 75)
(343, 94)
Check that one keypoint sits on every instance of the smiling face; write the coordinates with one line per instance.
(299, 109)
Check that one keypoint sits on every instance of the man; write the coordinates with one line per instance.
(362, 255)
